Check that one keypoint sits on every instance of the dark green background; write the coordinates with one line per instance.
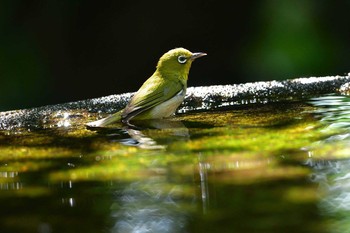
(60, 51)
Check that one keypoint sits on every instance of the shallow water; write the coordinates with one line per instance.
(279, 167)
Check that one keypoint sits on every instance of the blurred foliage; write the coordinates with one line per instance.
(60, 51)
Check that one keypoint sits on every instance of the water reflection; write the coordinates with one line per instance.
(150, 206)
(9, 181)
(154, 204)
(203, 169)
(11, 186)
(200, 186)
(135, 136)
(161, 203)
(333, 178)
(333, 111)
(5, 174)
(333, 175)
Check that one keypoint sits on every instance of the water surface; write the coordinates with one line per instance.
(279, 167)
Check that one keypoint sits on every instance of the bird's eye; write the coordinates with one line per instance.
(182, 59)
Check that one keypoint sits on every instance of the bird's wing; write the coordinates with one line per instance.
(153, 92)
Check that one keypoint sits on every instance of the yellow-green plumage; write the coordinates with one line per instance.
(161, 94)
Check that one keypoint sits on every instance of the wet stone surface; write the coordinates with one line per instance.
(197, 98)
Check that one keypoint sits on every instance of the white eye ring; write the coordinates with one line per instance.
(182, 59)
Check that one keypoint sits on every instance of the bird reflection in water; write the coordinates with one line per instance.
(132, 135)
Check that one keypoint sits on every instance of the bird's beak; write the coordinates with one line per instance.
(197, 55)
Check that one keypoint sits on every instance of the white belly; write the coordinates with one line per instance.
(168, 107)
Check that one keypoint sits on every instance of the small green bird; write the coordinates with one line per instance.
(161, 94)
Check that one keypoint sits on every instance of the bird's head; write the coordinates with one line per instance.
(177, 60)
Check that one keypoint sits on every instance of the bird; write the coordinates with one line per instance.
(161, 94)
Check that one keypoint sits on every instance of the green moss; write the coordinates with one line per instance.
(246, 136)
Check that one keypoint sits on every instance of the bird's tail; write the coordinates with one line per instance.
(115, 118)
